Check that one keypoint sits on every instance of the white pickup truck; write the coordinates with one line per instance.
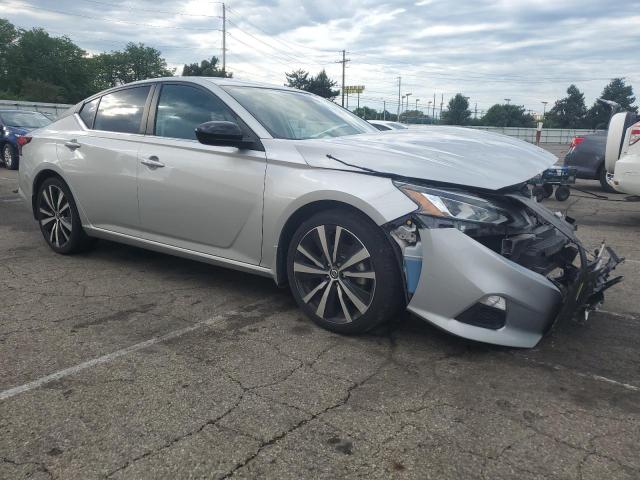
(622, 153)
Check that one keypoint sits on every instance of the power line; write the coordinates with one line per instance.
(197, 15)
(287, 44)
(115, 20)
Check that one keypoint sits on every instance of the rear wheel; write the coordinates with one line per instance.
(343, 272)
(58, 218)
(9, 156)
(606, 181)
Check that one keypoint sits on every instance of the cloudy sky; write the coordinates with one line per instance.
(525, 50)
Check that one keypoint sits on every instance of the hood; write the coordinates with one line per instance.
(456, 155)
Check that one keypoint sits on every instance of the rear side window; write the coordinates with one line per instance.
(88, 112)
(182, 108)
(122, 111)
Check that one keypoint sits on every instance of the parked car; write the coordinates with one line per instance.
(622, 157)
(586, 155)
(285, 184)
(384, 125)
(14, 124)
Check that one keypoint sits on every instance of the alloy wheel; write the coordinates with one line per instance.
(55, 216)
(7, 156)
(334, 273)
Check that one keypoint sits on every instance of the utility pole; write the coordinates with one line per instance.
(399, 103)
(434, 105)
(475, 111)
(508, 100)
(358, 100)
(544, 109)
(408, 95)
(441, 104)
(224, 38)
(344, 65)
(384, 110)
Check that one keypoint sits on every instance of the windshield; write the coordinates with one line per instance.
(297, 116)
(24, 119)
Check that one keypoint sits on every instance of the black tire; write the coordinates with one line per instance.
(63, 241)
(538, 193)
(562, 193)
(9, 156)
(548, 190)
(602, 177)
(383, 294)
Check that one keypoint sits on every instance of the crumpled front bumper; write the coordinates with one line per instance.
(458, 272)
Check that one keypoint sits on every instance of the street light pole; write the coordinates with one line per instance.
(407, 117)
(544, 108)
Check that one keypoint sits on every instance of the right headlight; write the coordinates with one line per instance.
(454, 205)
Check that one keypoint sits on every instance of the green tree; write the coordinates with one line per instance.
(507, 115)
(57, 61)
(298, 79)
(415, 116)
(366, 113)
(458, 112)
(207, 68)
(618, 91)
(323, 86)
(8, 35)
(568, 112)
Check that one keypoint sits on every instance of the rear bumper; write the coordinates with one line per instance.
(458, 272)
(627, 174)
(585, 170)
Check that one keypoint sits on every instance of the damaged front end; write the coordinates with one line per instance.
(496, 268)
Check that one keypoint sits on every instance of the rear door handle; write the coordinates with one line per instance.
(152, 162)
(72, 144)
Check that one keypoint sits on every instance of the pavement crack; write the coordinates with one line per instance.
(175, 440)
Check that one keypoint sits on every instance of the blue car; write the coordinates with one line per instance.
(13, 125)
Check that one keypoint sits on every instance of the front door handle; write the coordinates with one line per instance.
(152, 162)
(72, 144)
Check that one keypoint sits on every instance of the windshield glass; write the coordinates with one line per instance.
(24, 119)
(297, 116)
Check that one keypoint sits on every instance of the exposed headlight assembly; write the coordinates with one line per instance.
(455, 206)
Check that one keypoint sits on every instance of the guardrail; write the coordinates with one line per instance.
(51, 108)
(548, 135)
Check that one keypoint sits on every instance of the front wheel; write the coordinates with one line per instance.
(343, 272)
(10, 156)
(58, 217)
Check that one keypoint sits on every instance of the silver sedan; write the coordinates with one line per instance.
(282, 183)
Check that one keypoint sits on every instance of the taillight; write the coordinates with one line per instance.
(635, 133)
(22, 141)
(576, 141)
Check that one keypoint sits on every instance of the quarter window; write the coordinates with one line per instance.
(88, 112)
(121, 111)
(182, 108)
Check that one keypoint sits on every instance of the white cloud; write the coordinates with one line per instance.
(527, 50)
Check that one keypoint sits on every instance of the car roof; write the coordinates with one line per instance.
(217, 81)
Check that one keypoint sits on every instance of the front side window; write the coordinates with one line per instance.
(182, 108)
(122, 111)
(297, 116)
(88, 112)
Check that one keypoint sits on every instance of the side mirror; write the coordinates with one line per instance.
(224, 134)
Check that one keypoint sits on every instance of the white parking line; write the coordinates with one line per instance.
(12, 392)
(590, 376)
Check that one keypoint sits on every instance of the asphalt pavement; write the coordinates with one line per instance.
(123, 363)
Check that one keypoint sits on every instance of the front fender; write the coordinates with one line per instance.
(290, 188)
